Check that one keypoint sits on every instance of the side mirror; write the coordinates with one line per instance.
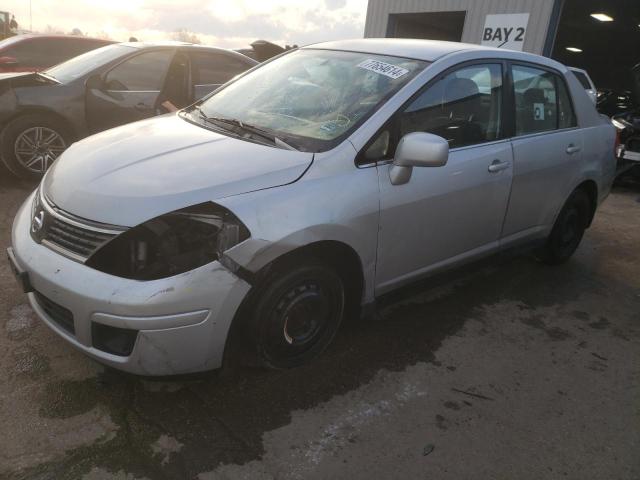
(417, 149)
(94, 82)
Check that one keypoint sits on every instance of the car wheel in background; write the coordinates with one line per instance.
(294, 314)
(568, 230)
(30, 143)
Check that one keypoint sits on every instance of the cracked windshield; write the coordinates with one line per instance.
(313, 96)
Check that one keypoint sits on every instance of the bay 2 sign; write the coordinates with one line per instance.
(505, 30)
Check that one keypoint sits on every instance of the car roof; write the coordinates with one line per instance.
(27, 36)
(576, 69)
(190, 46)
(428, 50)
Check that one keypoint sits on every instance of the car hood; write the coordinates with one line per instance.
(24, 79)
(132, 173)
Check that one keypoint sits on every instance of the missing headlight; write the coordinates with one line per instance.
(171, 244)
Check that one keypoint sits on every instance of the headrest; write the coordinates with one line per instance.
(460, 88)
(534, 95)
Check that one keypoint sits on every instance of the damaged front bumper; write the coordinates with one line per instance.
(170, 326)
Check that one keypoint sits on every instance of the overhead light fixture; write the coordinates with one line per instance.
(574, 49)
(603, 17)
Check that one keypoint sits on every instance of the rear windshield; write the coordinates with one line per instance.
(81, 65)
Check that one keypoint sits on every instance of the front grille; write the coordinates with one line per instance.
(81, 241)
(67, 234)
(60, 315)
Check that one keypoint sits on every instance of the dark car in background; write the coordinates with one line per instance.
(611, 102)
(32, 53)
(42, 113)
(628, 125)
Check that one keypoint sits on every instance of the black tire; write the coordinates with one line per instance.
(294, 315)
(568, 230)
(16, 144)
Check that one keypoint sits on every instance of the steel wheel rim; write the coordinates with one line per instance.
(37, 147)
(311, 299)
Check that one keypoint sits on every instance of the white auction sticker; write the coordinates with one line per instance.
(382, 68)
(538, 111)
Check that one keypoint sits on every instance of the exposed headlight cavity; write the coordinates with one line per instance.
(171, 244)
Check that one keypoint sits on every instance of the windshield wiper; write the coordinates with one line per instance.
(248, 128)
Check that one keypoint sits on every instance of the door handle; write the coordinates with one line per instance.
(142, 107)
(498, 165)
(571, 149)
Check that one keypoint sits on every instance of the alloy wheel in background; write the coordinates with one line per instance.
(37, 147)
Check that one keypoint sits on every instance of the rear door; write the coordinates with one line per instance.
(209, 70)
(547, 149)
(130, 91)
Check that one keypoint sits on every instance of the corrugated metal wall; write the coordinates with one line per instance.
(539, 16)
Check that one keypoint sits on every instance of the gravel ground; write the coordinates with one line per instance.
(507, 369)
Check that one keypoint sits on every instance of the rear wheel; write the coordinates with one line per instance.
(30, 144)
(295, 315)
(568, 230)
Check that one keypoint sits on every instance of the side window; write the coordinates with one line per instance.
(215, 69)
(28, 53)
(464, 107)
(58, 50)
(542, 101)
(536, 100)
(144, 72)
(65, 48)
(566, 115)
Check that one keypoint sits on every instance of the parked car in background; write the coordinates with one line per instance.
(628, 125)
(42, 113)
(586, 82)
(611, 102)
(32, 53)
(302, 190)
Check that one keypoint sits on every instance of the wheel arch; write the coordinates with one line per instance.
(338, 255)
(590, 187)
(39, 110)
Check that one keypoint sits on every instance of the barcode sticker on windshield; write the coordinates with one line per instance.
(382, 68)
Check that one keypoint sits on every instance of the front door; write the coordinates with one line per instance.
(129, 91)
(455, 211)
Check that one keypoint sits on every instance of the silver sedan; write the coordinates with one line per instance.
(302, 191)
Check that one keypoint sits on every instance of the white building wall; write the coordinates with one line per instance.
(539, 16)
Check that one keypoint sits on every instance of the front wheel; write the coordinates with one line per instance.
(295, 315)
(568, 230)
(30, 144)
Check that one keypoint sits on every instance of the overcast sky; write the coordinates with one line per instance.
(228, 23)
